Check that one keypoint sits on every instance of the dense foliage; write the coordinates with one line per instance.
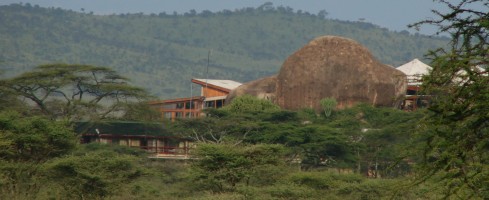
(254, 154)
(75, 92)
(33, 138)
(162, 51)
(456, 131)
(41, 159)
(248, 103)
(363, 139)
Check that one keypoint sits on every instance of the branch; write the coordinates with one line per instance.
(243, 138)
(200, 139)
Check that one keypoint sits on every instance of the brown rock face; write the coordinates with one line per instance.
(334, 67)
(340, 68)
(262, 88)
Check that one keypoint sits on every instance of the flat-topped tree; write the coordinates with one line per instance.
(76, 91)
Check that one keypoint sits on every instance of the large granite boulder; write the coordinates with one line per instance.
(334, 67)
(262, 88)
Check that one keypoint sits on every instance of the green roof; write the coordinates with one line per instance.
(122, 128)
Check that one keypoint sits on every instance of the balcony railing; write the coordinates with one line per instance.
(166, 150)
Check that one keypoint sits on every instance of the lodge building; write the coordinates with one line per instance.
(213, 94)
(414, 71)
(154, 139)
(151, 137)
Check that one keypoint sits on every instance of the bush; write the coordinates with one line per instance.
(220, 168)
(92, 175)
(290, 191)
(328, 104)
(248, 103)
(307, 114)
(315, 180)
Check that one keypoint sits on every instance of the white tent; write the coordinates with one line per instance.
(414, 70)
(415, 67)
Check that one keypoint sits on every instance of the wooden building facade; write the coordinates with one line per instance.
(213, 94)
(151, 137)
(179, 108)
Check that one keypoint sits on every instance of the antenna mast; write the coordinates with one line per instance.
(207, 71)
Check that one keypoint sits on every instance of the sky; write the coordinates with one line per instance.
(392, 14)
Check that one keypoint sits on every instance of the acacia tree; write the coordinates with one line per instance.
(230, 124)
(25, 144)
(222, 168)
(457, 130)
(219, 127)
(75, 91)
(248, 103)
(8, 100)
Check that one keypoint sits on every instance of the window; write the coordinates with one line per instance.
(411, 92)
(209, 104)
(219, 103)
(180, 105)
(135, 143)
(167, 115)
(178, 114)
(190, 105)
(144, 143)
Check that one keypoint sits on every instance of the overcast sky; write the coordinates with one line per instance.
(391, 14)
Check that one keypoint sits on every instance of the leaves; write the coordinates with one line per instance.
(328, 104)
(33, 138)
(95, 174)
(248, 104)
(220, 168)
(459, 85)
(75, 91)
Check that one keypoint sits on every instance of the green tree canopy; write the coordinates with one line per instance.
(75, 91)
(25, 144)
(33, 138)
(219, 127)
(248, 103)
(457, 130)
(93, 174)
(221, 168)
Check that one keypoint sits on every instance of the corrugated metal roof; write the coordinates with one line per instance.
(215, 98)
(122, 128)
(228, 84)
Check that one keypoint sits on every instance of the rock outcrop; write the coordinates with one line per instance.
(262, 88)
(334, 67)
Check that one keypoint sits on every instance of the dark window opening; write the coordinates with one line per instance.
(219, 103)
(411, 92)
(190, 105)
(209, 104)
(144, 143)
(179, 114)
(180, 105)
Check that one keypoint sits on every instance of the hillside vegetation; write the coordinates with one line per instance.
(162, 52)
(242, 153)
